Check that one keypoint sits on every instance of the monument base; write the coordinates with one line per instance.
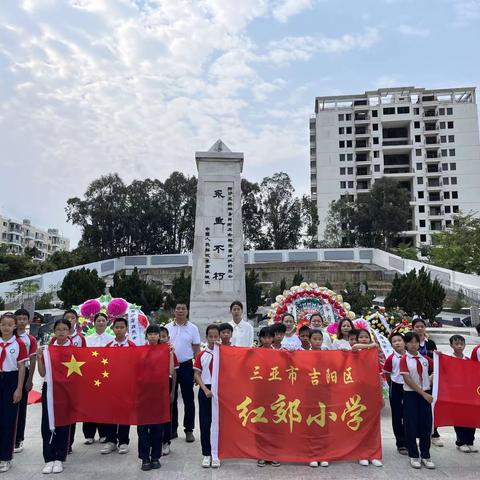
(203, 314)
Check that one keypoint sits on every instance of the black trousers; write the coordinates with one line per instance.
(185, 380)
(8, 414)
(167, 426)
(205, 418)
(56, 443)
(22, 412)
(396, 405)
(71, 439)
(90, 429)
(118, 434)
(150, 439)
(418, 424)
(465, 436)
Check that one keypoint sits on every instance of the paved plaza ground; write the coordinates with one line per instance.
(184, 461)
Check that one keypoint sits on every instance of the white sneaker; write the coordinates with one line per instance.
(473, 448)
(428, 463)
(364, 463)
(102, 440)
(108, 448)
(376, 463)
(18, 449)
(5, 466)
(165, 449)
(415, 463)
(324, 464)
(48, 468)
(464, 448)
(206, 462)
(88, 441)
(215, 463)
(437, 441)
(122, 449)
(313, 464)
(57, 466)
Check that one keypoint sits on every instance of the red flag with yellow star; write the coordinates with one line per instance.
(128, 386)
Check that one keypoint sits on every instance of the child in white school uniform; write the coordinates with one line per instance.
(56, 443)
(118, 436)
(465, 435)
(22, 319)
(415, 369)
(203, 367)
(77, 340)
(391, 369)
(13, 356)
(98, 339)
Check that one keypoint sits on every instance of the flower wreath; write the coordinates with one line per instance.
(306, 299)
(110, 307)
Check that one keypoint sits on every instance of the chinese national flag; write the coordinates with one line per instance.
(128, 386)
(456, 392)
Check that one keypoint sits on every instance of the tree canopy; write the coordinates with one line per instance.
(374, 219)
(458, 248)
(136, 290)
(416, 294)
(80, 285)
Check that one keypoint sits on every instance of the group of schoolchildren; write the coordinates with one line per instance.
(408, 371)
(19, 356)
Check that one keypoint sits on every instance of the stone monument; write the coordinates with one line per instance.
(218, 272)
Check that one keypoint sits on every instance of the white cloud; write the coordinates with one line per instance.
(291, 49)
(284, 9)
(412, 31)
(89, 87)
(467, 11)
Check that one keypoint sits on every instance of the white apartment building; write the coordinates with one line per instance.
(20, 235)
(426, 139)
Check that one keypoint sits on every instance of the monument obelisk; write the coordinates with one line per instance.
(218, 271)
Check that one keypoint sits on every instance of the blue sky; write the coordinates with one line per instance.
(89, 87)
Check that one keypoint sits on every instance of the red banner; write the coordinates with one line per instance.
(127, 386)
(297, 406)
(456, 392)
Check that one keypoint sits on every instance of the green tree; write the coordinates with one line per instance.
(416, 294)
(297, 278)
(358, 296)
(80, 285)
(459, 302)
(142, 218)
(310, 220)
(328, 285)
(31, 252)
(180, 293)
(252, 214)
(340, 228)
(382, 214)
(458, 248)
(405, 251)
(282, 213)
(135, 290)
(253, 292)
(277, 288)
(44, 301)
(13, 267)
(373, 220)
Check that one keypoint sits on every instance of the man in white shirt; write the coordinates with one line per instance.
(242, 330)
(185, 338)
